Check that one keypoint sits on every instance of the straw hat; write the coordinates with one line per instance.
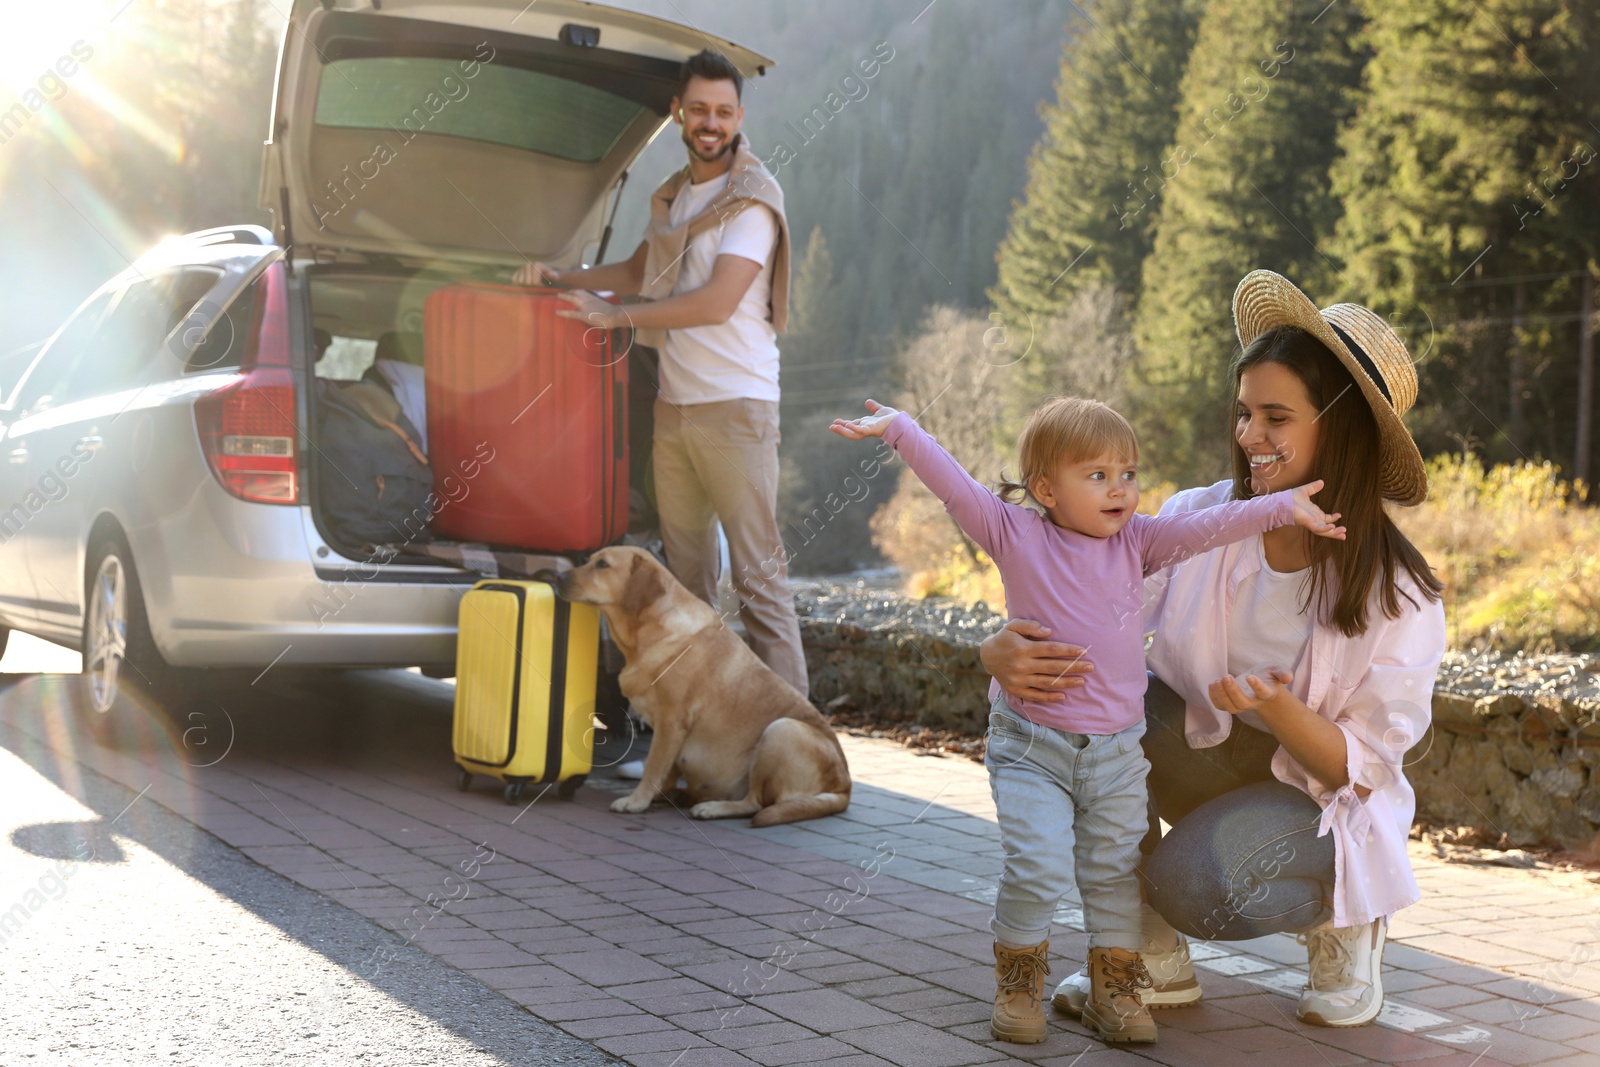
(1365, 344)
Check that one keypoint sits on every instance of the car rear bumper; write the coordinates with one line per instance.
(238, 586)
(362, 632)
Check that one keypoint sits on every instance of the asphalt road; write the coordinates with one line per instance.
(129, 936)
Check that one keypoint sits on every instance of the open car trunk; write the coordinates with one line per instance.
(368, 418)
(487, 131)
(369, 400)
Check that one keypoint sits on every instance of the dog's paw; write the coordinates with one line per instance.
(706, 810)
(630, 804)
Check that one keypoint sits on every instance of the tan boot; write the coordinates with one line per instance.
(1115, 1010)
(1166, 957)
(1019, 993)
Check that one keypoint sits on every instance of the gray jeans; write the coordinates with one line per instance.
(1071, 808)
(1243, 858)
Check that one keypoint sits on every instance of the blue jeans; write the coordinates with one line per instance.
(1243, 858)
(1071, 808)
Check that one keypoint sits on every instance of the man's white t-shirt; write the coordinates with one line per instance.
(1266, 626)
(738, 358)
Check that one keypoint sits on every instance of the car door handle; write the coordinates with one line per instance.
(18, 455)
(91, 443)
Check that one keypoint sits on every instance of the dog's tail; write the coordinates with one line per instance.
(798, 808)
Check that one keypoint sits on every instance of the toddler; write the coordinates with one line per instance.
(1069, 778)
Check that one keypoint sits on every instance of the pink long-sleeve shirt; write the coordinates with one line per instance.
(1088, 590)
(1376, 688)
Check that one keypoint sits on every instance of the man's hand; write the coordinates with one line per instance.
(1260, 691)
(536, 274)
(1028, 666)
(872, 426)
(592, 311)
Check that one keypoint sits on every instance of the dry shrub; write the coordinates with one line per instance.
(915, 533)
(1084, 351)
(956, 394)
(1517, 551)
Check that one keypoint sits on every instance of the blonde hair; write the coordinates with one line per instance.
(1066, 429)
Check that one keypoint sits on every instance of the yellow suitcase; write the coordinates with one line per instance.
(526, 666)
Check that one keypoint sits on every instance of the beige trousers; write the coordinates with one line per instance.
(720, 462)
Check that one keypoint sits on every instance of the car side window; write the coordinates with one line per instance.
(52, 368)
(127, 347)
(222, 338)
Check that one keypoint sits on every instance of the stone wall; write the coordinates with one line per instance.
(903, 660)
(1514, 749)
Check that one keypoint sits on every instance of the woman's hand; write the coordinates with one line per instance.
(872, 426)
(1261, 691)
(1028, 666)
(1316, 744)
(1312, 517)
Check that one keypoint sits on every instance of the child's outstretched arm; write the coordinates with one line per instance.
(983, 516)
(1170, 539)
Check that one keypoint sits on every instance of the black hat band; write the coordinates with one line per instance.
(1362, 358)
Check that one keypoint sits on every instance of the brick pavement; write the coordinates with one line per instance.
(855, 940)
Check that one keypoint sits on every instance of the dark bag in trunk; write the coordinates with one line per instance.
(373, 482)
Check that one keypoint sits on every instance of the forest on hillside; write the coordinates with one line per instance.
(1435, 160)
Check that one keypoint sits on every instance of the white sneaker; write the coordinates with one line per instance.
(1346, 974)
(633, 770)
(1166, 957)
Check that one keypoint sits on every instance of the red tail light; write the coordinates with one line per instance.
(247, 427)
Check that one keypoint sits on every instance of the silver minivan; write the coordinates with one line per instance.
(157, 499)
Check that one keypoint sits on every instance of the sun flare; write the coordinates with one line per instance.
(36, 49)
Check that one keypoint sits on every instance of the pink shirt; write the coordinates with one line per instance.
(1088, 590)
(1377, 688)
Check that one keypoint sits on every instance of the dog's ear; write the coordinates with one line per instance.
(644, 585)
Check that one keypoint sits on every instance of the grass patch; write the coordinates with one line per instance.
(1518, 551)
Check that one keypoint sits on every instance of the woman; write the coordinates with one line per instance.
(1289, 674)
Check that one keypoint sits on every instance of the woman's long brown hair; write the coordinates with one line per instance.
(1374, 551)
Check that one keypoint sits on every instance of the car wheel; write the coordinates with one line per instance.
(125, 681)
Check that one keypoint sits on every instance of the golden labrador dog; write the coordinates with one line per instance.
(745, 741)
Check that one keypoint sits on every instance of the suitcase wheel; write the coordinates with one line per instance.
(463, 779)
(569, 788)
(514, 790)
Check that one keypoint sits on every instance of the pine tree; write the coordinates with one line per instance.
(814, 296)
(1267, 87)
(815, 361)
(1089, 211)
(1473, 158)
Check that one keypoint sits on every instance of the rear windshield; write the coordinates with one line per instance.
(502, 105)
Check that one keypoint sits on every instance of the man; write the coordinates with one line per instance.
(714, 269)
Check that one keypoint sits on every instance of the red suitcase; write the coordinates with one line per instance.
(547, 397)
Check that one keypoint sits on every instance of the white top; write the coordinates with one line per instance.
(1266, 627)
(1376, 688)
(738, 358)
